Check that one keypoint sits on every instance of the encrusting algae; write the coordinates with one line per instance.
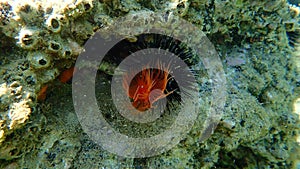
(41, 39)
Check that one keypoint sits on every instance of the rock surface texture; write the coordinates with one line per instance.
(258, 43)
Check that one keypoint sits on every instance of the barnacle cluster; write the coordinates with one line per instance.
(255, 39)
(37, 43)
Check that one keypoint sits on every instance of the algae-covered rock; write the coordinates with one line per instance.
(258, 44)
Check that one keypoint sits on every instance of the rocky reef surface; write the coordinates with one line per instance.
(258, 43)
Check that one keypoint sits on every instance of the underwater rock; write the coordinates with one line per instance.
(43, 38)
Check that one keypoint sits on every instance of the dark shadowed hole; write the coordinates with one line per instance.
(54, 23)
(27, 40)
(42, 62)
(30, 80)
(67, 53)
(55, 46)
(87, 7)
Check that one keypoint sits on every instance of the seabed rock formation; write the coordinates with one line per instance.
(258, 43)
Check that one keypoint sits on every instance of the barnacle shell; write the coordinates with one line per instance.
(39, 60)
(54, 46)
(53, 23)
(28, 38)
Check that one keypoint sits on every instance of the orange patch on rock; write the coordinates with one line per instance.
(66, 75)
(42, 93)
